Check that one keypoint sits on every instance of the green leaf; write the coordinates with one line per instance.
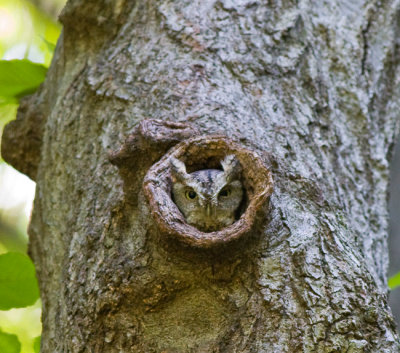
(7, 101)
(394, 281)
(20, 77)
(50, 46)
(9, 343)
(8, 111)
(18, 284)
(36, 344)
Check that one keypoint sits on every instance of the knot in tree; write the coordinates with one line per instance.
(226, 202)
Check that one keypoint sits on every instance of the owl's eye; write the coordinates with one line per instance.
(225, 192)
(190, 194)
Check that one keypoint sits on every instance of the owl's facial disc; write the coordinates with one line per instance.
(208, 198)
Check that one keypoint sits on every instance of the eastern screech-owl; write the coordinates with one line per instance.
(208, 198)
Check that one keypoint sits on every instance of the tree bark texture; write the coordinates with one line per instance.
(311, 86)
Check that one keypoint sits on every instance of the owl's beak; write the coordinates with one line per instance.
(208, 210)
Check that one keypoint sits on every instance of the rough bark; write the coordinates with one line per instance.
(311, 86)
(394, 229)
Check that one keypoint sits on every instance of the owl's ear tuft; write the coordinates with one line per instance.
(178, 169)
(232, 168)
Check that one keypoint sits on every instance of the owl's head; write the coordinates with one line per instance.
(208, 198)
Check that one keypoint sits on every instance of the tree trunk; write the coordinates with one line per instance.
(311, 87)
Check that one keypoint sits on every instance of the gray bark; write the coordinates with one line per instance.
(394, 227)
(311, 86)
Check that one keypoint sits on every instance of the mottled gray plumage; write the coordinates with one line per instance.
(208, 198)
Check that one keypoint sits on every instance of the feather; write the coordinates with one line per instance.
(231, 167)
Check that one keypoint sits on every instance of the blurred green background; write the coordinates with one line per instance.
(28, 30)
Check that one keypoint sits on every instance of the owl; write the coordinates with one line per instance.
(209, 198)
